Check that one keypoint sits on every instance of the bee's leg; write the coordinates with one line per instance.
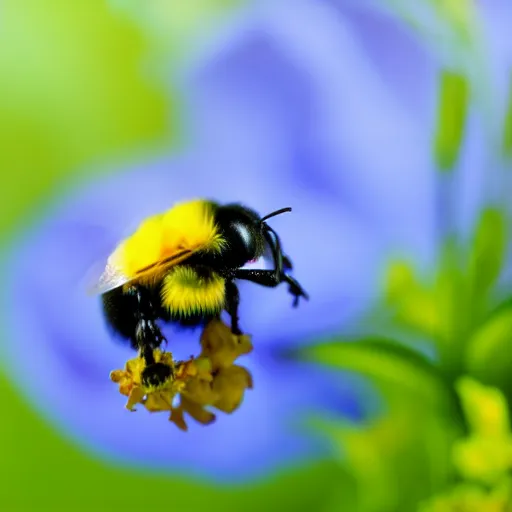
(131, 314)
(287, 263)
(146, 335)
(275, 247)
(283, 263)
(281, 260)
(233, 300)
(271, 279)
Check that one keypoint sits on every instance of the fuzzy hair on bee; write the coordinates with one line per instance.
(181, 267)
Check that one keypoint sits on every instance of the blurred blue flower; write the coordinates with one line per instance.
(327, 107)
(495, 18)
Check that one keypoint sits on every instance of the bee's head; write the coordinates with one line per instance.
(243, 230)
(156, 375)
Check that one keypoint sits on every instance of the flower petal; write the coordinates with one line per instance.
(52, 320)
(262, 133)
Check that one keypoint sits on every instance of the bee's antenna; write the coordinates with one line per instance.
(277, 212)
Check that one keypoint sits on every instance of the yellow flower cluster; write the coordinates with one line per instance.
(210, 380)
(483, 458)
(486, 454)
(468, 497)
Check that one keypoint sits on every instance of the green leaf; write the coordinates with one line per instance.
(488, 251)
(454, 302)
(385, 362)
(413, 304)
(488, 354)
(460, 15)
(436, 309)
(507, 128)
(364, 452)
(445, 23)
(396, 460)
(341, 496)
(452, 113)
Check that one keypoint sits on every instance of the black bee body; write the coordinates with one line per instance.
(134, 310)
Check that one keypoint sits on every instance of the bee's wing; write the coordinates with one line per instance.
(112, 276)
(103, 277)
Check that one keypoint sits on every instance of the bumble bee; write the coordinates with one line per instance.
(181, 267)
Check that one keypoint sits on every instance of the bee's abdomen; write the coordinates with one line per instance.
(192, 292)
(122, 310)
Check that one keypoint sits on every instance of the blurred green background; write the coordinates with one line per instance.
(86, 86)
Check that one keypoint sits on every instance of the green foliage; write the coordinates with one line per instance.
(507, 128)
(434, 309)
(487, 252)
(460, 15)
(411, 454)
(470, 497)
(483, 457)
(72, 96)
(452, 112)
(393, 465)
(385, 362)
(413, 303)
(454, 302)
(488, 355)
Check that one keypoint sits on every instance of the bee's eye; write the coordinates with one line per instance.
(246, 238)
(242, 241)
(240, 230)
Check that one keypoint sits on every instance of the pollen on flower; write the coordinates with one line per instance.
(131, 385)
(211, 380)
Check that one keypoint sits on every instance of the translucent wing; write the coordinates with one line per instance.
(105, 277)
(113, 277)
(160, 242)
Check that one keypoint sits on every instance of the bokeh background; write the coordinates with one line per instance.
(387, 126)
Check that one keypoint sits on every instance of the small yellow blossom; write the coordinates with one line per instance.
(483, 459)
(210, 380)
(468, 497)
(195, 410)
(221, 346)
(485, 408)
(130, 383)
(486, 454)
(230, 384)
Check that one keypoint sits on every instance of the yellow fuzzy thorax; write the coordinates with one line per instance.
(186, 227)
(185, 293)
